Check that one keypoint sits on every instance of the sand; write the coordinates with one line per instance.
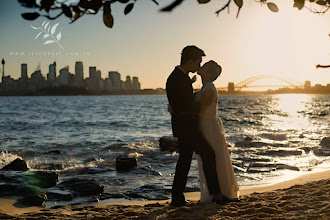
(306, 197)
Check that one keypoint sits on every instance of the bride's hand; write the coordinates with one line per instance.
(169, 109)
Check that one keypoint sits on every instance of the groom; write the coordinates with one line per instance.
(185, 126)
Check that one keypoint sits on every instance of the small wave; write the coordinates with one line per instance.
(6, 158)
(169, 156)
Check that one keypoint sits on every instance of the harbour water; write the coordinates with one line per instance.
(272, 138)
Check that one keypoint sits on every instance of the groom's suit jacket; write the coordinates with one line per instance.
(181, 98)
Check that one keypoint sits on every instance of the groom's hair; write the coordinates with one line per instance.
(191, 53)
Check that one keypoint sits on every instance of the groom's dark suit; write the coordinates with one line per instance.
(185, 126)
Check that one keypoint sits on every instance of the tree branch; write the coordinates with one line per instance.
(223, 8)
(322, 66)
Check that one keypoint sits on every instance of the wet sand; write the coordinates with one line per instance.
(306, 197)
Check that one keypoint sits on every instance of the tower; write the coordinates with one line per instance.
(3, 67)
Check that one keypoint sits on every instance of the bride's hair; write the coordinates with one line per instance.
(214, 69)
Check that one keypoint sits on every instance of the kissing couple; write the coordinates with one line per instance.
(198, 128)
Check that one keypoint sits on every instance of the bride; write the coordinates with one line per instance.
(212, 129)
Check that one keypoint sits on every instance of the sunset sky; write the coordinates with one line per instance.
(147, 43)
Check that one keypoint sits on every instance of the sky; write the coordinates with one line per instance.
(147, 43)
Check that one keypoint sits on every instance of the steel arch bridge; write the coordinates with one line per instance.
(245, 83)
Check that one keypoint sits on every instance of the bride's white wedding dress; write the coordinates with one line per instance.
(212, 129)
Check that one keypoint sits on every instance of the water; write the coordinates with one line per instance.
(82, 135)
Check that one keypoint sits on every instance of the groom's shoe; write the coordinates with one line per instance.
(179, 203)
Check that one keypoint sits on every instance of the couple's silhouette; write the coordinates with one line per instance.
(195, 123)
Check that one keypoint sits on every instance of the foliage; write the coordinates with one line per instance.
(79, 8)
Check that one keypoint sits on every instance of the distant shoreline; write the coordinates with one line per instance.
(80, 91)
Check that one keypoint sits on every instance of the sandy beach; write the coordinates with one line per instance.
(306, 197)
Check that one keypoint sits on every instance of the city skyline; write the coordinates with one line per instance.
(289, 43)
(63, 77)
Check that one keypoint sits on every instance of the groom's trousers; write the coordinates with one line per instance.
(186, 148)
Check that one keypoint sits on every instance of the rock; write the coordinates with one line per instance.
(37, 200)
(260, 169)
(250, 144)
(281, 153)
(27, 190)
(280, 166)
(124, 164)
(272, 166)
(248, 139)
(306, 149)
(322, 152)
(42, 179)
(16, 165)
(59, 195)
(168, 143)
(325, 142)
(82, 187)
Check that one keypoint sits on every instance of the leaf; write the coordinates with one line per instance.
(46, 25)
(46, 35)
(239, 3)
(43, 23)
(67, 11)
(38, 35)
(272, 7)
(48, 29)
(52, 31)
(203, 1)
(30, 16)
(59, 36)
(107, 16)
(49, 42)
(321, 2)
(128, 8)
(34, 27)
(299, 4)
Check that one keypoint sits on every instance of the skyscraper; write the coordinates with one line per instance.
(51, 76)
(114, 76)
(79, 71)
(24, 71)
(135, 84)
(92, 72)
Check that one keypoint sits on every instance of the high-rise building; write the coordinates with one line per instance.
(128, 83)
(98, 74)
(114, 76)
(135, 84)
(51, 76)
(24, 71)
(92, 72)
(79, 71)
(64, 76)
